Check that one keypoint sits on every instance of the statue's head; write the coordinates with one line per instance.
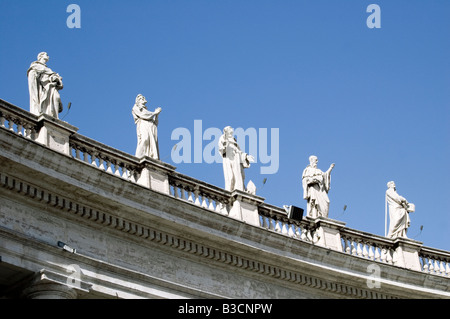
(228, 131)
(140, 100)
(43, 56)
(313, 160)
(391, 184)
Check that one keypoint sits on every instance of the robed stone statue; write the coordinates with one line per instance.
(234, 162)
(399, 210)
(44, 86)
(146, 128)
(316, 185)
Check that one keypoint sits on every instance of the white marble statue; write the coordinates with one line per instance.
(399, 210)
(316, 185)
(146, 128)
(44, 86)
(234, 161)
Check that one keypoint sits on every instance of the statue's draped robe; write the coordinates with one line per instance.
(147, 131)
(398, 215)
(316, 185)
(44, 86)
(234, 162)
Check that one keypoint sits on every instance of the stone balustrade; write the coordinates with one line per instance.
(368, 246)
(159, 176)
(104, 157)
(434, 261)
(18, 121)
(275, 219)
(199, 193)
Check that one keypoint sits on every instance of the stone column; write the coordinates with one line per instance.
(49, 290)
(55, 133)
(245, 207)
(407, 253)
(328, 232)
(155, 174)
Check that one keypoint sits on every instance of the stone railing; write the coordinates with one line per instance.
(104, 157)
(435, 261)
(275, 219)
(18, 121)
(372, 247)
(158, 176)
(352, 242)
(200, 193)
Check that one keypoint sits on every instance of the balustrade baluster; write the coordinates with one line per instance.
(125, 172)
(204, 205)
(211, 204)
(351, 247)
(430, 265)
(117, 168)
(384, 255)
(109, 166)
(436, 266)
(93, 159)
(26, 130)
(101, 163)
(284, 226)
(299, 232)
(389, 257)
(20, 128)
(262, 221)
(183, 193)
(2, 120)
(269, 224)
(272, 223)
(371, 252)
(343, 244)
(196, 197)
(358, 247)
(348, 245)
(190, 199)
(77, 153)
(219, 208)
(85, 156)
(424, 264)
(365, 252)
(377, 253)
(441, 267)
(10, 124)
(354, 250)
(277, 226)
(175, 191)
(291, 232)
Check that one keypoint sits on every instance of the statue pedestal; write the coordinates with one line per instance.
(155, 174)
(55, 133)
(245, 207)
(407, 253)
(328, 232)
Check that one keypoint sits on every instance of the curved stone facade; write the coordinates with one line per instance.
(81, 220)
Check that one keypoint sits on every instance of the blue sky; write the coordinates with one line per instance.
(373, 101)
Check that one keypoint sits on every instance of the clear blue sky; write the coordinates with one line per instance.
(373, 101)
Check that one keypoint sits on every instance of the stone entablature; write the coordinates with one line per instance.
(151, 215)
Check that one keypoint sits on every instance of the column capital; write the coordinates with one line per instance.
(49, 290)
(46, 284)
